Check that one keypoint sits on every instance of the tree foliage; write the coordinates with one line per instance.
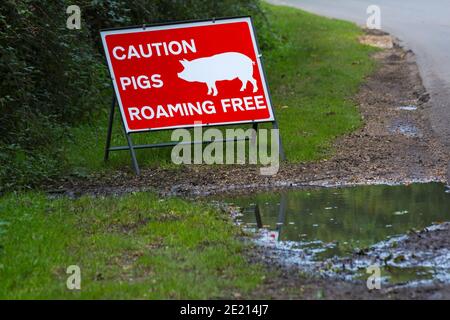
(53, 78)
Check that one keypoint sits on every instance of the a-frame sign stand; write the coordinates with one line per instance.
(132, 148)
(163, 28)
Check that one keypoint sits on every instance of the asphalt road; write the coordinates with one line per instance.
(422, 26)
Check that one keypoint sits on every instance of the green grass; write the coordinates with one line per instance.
(313, 71)
(137, 246)
(315, 74)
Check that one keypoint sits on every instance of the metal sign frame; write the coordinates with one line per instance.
(115, 101)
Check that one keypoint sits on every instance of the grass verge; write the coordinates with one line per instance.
(313, 72)
(133, 247)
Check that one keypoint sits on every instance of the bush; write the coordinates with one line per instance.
(53, 78)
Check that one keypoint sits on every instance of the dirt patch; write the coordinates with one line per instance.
(377, 38)
(395, 145)
(288, 282)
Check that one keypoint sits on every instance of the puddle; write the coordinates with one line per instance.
(404, 128)
(408, 108)
(321, 227)
(398, 275)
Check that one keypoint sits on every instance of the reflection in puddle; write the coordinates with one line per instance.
(323, 226)
(400, 275)
(404, 128)
(408, 108)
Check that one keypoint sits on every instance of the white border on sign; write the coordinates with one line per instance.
(188, 25)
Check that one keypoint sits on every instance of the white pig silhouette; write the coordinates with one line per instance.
(222, 66)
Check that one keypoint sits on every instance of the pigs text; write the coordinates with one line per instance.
(186, 109)
(158, 49)
(141, 82)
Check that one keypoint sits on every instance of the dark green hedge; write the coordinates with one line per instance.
(53, 78)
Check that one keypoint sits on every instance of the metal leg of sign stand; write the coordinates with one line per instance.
(110, 123)
(282, 212)
(108, 147)
(259, 223)
(274, 122)
(254, 133)
(280, 144)
(132, 153)
(275, 126)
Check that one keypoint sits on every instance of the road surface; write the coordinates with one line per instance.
(422, 26)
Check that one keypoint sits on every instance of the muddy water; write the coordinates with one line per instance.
(331, 223)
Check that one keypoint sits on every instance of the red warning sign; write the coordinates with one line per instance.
(177, 75)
